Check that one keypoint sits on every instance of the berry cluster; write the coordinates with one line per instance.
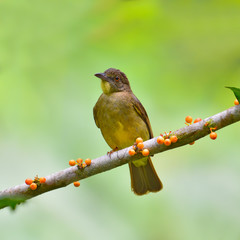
(79, 162)
(166, 139)
(138, 147)
(34, 184)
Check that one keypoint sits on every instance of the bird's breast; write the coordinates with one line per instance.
(120, 124)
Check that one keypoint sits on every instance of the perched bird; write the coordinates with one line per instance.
(122, 118)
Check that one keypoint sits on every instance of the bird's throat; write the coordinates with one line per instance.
(106, 87)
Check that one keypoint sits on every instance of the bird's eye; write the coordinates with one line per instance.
(117, 79)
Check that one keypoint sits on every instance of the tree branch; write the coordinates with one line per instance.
(15, 195)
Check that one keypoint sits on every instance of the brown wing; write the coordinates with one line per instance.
(142, 113)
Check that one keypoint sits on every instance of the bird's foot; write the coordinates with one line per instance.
(112, 151)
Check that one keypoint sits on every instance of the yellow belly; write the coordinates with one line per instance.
(123, 132)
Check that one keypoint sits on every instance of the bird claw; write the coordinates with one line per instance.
(112, 151)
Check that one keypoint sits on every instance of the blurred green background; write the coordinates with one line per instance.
(178, 56)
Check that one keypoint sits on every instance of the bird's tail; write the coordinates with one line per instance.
(144, 179)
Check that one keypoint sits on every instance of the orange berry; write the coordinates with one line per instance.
(88, 161)
(28, 181)
(84, 165)
(167, 142)
(79, 160)
(145, 152)
(160, 140)
(197, 120)
(191, 143)
(173, 139)
(131, 152)
(33, 186)
(72, 163)
(140, 145)
(213, 135)
(236, 102)
(138, 140)
(42, 179)
(76, 184)
(188, 119)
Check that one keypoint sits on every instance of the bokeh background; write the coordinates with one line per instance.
(178, 56)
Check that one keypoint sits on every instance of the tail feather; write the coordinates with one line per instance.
(144, 179)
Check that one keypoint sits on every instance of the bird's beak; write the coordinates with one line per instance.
(102, 76)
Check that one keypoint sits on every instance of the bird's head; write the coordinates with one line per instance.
(113, 80)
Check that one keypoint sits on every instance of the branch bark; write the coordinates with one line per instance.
(15, 195)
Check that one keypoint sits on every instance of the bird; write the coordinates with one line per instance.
(122, 118)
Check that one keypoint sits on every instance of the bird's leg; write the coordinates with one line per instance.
(112, 151)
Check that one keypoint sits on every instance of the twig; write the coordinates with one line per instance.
(14, 195)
